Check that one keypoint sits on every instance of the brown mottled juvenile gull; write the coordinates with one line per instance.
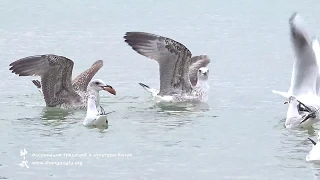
(56, 85)
(182, 77)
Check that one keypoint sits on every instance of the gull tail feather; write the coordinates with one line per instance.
(153, 91)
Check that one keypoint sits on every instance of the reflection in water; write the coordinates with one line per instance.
(53, 118)
(182, 107)
(316, 168)
(55, 114)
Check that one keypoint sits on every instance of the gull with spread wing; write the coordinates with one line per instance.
(183, 78)
(56, 85)
(305, 80)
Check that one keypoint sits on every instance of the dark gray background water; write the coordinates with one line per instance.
(239, 135)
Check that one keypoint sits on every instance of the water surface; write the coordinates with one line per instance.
(239, 134)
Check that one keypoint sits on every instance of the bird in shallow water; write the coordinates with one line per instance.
(56, 85)
(93, 118)
(183, 78)
(297, 118)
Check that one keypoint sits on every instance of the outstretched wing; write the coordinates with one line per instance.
(305, 68)
(55, 72)
(196, 63)
(316, 49)
(173, 59)
(81, 82)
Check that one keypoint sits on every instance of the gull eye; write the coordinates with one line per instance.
(97, 83)
(199, 70)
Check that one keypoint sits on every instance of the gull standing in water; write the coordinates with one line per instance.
(305, 80)
(314, 154)
(303, 118)
(182, 78)
(93, 117)
(56, 85)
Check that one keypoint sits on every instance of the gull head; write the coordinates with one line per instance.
(98, 85)
(203, 73)
(292, 99)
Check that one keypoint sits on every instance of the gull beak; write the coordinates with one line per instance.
(286, 102)
(109, 89)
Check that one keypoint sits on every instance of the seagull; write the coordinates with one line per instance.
(93, 117)
(314, 154)
(56, 86)
(183, 78)
(305, 79)
(300, 118)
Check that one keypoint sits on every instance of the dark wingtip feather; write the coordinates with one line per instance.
(139, 40)
(37, 83)
(143, 85)
(139, 36)
(98, 62)
(312, 141)
(28, 66)
(299, 33)
(293, 16)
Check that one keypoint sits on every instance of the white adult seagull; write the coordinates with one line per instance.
(182, 77)
(305, 79)
(303, 118)
(93, 117)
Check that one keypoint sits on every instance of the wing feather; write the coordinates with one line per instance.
(305, 69)
(81, 81)
(55, 72)
(173, 59)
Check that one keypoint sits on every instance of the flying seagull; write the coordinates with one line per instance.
(182, 77)
(305, 79)
(56, 84)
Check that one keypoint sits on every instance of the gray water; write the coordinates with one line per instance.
(239, 134)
